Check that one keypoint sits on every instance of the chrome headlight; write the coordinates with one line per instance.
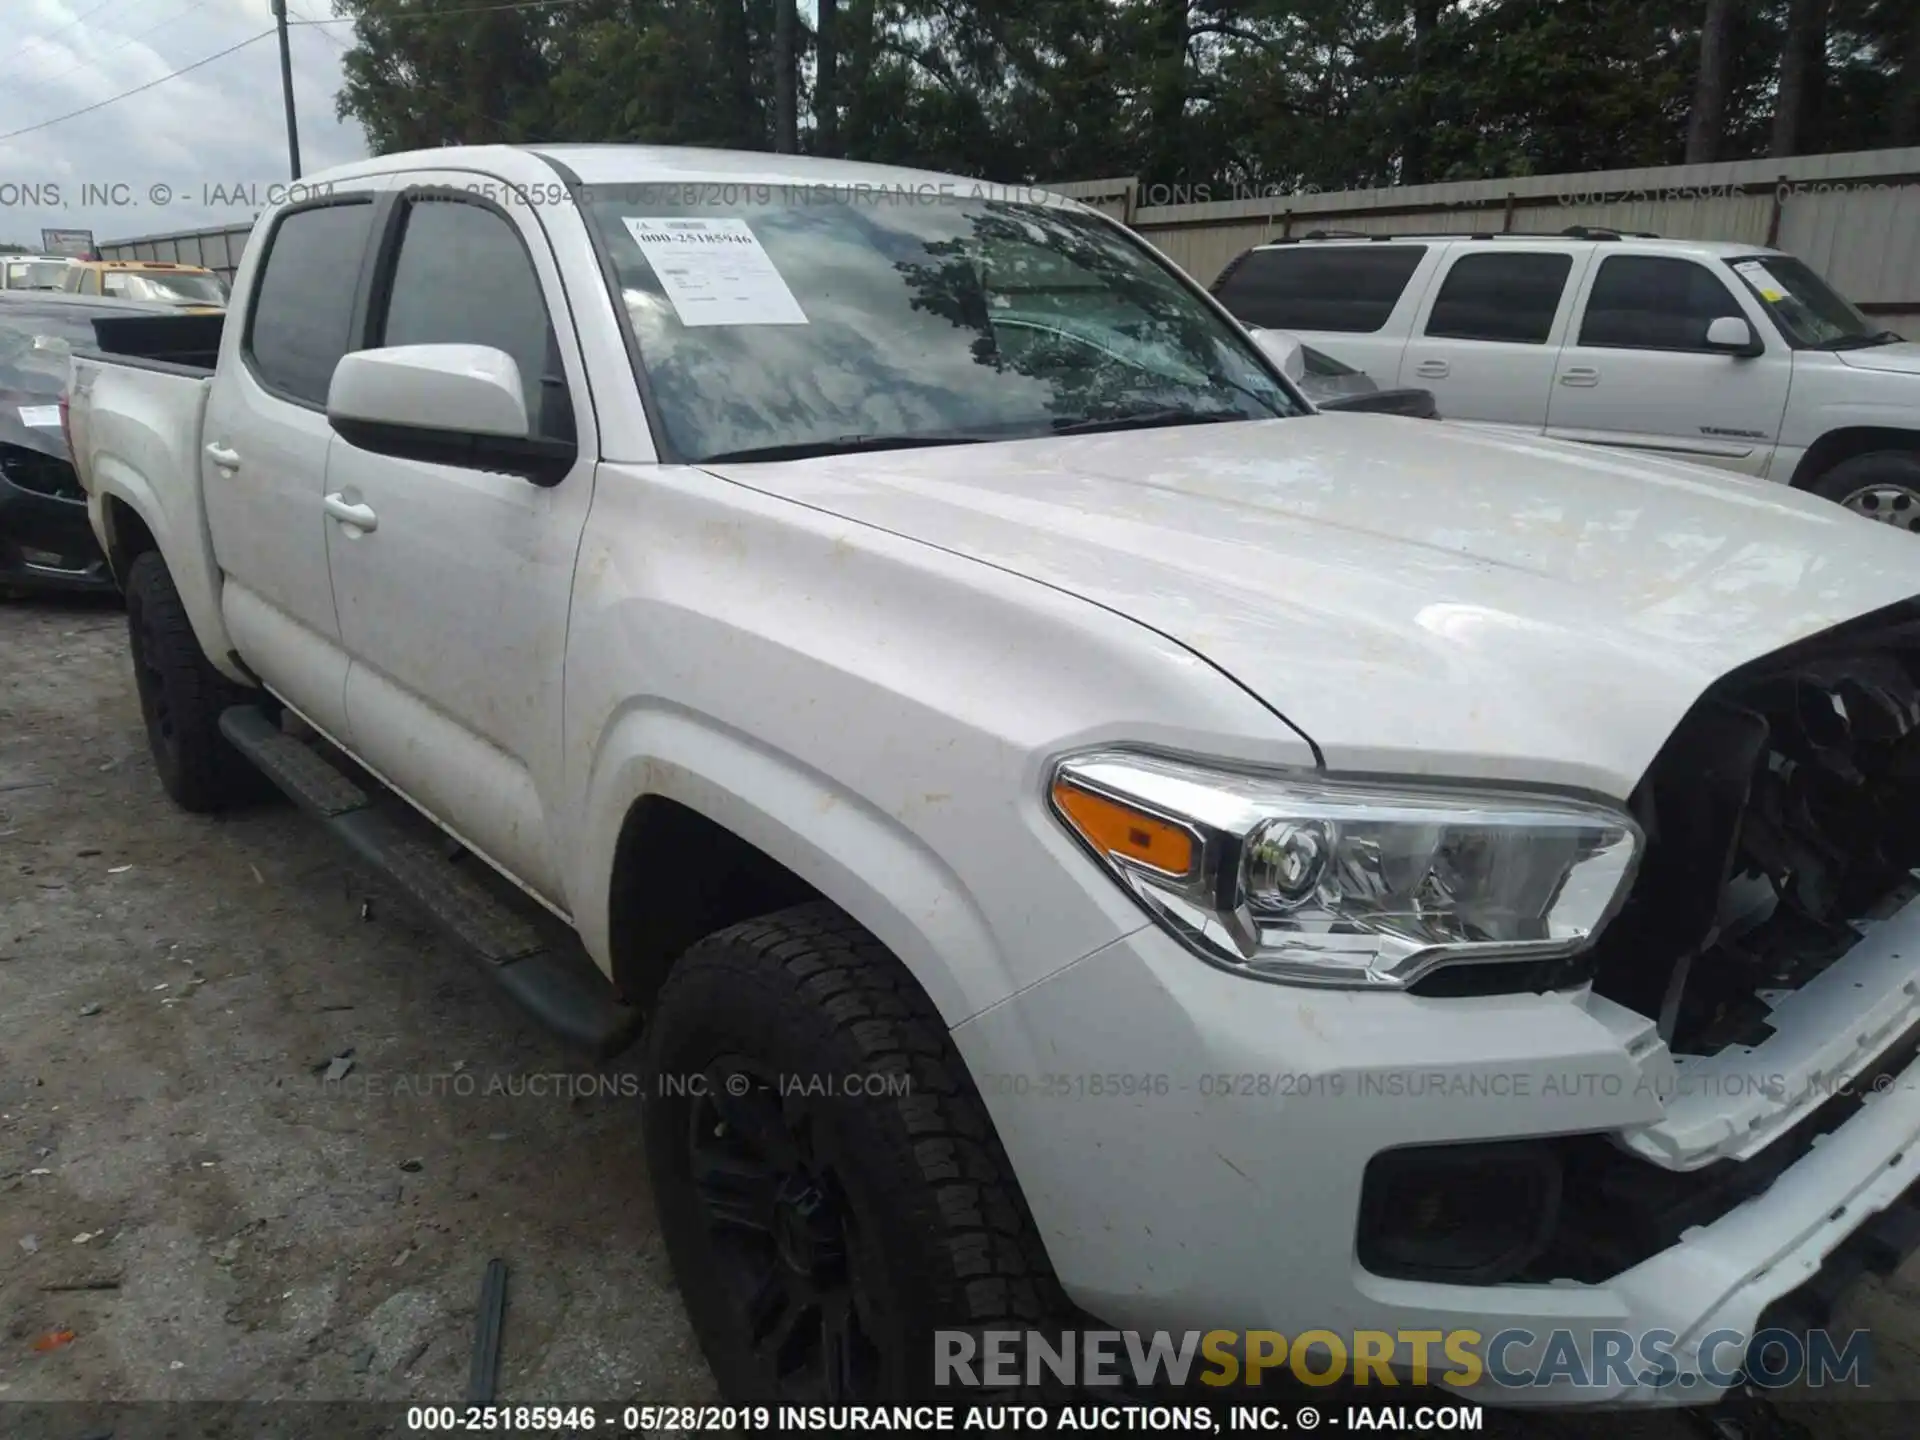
(1324, 882)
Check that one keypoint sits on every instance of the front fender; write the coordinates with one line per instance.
(1832, 396)
(874, 714)
(867, 862)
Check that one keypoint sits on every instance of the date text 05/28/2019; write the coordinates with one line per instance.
(683, 1420)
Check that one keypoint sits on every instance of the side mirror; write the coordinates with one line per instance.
(444, 405)
(1285, 351)
(1732, 335)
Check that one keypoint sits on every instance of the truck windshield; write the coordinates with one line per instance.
(775, 321)
(1810, 313)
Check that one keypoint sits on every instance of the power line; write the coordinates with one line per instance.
(138, 35)
(47, 39)
(255, 39)
(114, 99)
(72, 24)
(385, 17)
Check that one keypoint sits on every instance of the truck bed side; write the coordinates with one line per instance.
(136, 432)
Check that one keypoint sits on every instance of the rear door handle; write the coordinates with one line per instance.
(361, 517)
(1431, 369)
(1580, 375)
(226, 459)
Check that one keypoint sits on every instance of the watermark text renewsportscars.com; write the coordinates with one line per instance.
(1601, 1362)
(248, 195)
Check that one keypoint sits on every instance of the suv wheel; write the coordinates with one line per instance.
(830, 1190)
(1883, 486)
(181, 696)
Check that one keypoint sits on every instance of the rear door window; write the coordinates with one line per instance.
(1500, 295)
(302, 317)
(1652, 302)
(1350, 288)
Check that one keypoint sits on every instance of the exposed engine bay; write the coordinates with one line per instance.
(1781, 816)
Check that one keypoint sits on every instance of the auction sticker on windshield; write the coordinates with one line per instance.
(715, 272)
(40, 417)
(1762, 279)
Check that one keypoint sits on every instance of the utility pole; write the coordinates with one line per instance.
(286, 87)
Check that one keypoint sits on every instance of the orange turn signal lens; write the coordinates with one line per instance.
(1116, 829)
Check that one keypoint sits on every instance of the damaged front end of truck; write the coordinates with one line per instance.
(1764, 973)
(1782, 824)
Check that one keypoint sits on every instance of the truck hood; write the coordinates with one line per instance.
(1900, 359)
(1416, 598)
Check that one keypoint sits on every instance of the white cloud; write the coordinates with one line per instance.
(184, 155)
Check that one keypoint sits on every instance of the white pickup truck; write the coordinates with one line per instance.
(1724, 354)
(1086, 834)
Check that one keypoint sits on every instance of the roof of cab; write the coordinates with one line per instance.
(670, 164)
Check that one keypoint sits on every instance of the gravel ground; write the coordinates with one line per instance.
(172, 990)
(168, 984)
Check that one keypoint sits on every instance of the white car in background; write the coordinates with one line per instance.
(1719, 353)
(34, 272)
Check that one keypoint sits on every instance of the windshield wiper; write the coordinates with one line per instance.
(1863, 342)
(1148, 420)
(851, 444)
(845, 445)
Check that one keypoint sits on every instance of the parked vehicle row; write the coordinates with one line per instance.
(162, 281)
(48, 306)
(931, 639)
(1724, 354)
(46, 543)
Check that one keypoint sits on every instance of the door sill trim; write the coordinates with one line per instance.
(512, 879)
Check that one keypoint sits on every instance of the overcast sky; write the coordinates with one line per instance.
(222, 125)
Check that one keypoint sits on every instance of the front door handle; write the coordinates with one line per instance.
(226, 459)
(1431, 369)
(1580, 375)
(361, 517)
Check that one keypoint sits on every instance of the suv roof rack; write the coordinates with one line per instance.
(1572, 232)
(1603, 232)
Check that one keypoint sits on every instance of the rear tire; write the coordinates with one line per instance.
(1883, 486)
(821, 1239)
(181, 696)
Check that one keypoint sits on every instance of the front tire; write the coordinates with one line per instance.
(1883, 486)
(181, 696)
(821, 1232)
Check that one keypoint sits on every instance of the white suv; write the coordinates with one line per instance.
(1710, 351)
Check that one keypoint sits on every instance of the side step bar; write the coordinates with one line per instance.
(559, 984)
